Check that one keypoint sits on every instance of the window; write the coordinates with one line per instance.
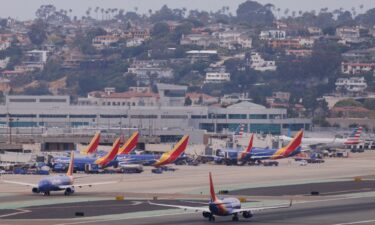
(23, 115)
(52, 116)
(174, 116)
(237, 116)
(217, 116)
(199, 116)
(207, 126)
(52, 100)
(265, 128)
(82, 116)
(144, 116)
(22, 100)
(275, 116)
(113, 116)
(258, 116)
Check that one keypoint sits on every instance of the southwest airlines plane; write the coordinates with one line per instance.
(58, 183)
(224, 207)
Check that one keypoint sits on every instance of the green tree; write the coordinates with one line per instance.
(37, 33)
(188, 101)
(255, 14)
(160, 30)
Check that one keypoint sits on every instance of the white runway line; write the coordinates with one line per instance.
(358, 222)
(20, 211)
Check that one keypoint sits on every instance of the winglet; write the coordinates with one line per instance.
(71, 165)
(212, 189)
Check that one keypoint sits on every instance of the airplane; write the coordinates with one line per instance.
(58, 183)
(293, 148)
(233, 156)
(352, 139)
(81, 163)
(157, 160)
(223, 206)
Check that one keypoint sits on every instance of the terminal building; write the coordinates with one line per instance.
(168, 116)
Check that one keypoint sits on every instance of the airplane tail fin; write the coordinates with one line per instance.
(103, 161)
(71, 165)
(92, 147)
(354, 137)
(172, 155)
(249, 147)
(294, 144)
(130, 144)
(212, 189)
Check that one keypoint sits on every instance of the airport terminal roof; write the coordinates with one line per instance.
(246, 104)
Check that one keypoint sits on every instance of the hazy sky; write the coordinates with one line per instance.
(25, 9)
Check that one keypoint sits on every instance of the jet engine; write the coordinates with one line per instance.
(69, 191)
(35, 190)
(206, 214)
(247, 214)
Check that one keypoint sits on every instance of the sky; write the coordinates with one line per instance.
(25, 9)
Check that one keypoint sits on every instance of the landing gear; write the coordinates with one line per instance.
(66, 193)
(46, 193)
(235, 217)
(211, 218)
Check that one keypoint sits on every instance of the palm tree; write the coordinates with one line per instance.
(102, 11)
(96, 11)
(361, 7)
(286, 12)
(278, 12)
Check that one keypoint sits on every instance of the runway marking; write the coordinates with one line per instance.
(20, 211)
(358, 222)
(118, 219)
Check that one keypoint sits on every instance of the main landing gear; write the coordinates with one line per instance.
(235, 217)
(46, 193)
(211, 218)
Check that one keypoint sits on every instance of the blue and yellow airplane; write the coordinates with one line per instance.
(234, 156)
(58, 183)
(108, 160)
(155, 159)
(223, 206)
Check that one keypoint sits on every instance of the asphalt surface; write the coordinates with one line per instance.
(339, 212)
(90, 208)
(328, 188)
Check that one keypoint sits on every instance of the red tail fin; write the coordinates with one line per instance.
(130, 144)
(91, 148)
(110, 155)
(250, 146)
(212, 190)
(294, 144)
(71, 165)
(171, 156)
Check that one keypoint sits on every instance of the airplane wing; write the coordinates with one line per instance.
(87, 185)
(257, 209)
(20, 183)
(196, 209)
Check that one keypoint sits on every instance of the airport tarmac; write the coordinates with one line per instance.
(341, 199)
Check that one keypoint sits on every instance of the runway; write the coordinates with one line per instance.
(325, 188)
(333, 212)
